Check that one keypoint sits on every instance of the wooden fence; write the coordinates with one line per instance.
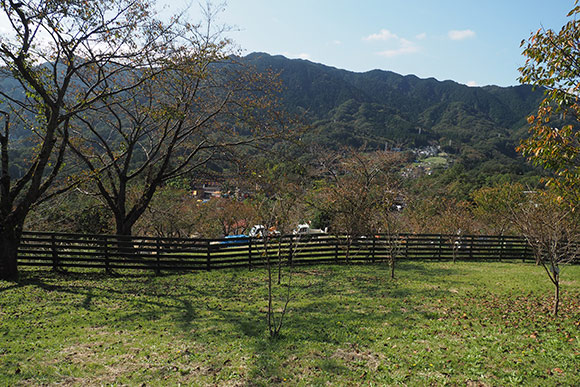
(109, 252)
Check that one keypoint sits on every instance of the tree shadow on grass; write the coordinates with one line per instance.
(317, 316)
(11, 287)
(330, 322)
(148, 299)
(183, 305)
(426, 268)
(333, 327)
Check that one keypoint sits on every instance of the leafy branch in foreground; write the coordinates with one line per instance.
(554, 143)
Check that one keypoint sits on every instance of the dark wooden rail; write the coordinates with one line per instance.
(110, 252)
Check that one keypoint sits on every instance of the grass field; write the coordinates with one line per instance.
(434, 162)
(438, 323)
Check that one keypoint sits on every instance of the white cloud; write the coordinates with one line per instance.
(402, 46)
(399, 51)
(304, 56)
(472, 84)
(382, 35)
(421, 36)
(336, 42)
(460, 34)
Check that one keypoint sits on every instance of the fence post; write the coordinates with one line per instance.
(291, 250)
(471, 238)
(336, 249)
(158, 256)
(54, 252)
(250, 253)
(208, 257)
(106, 254)
(440, 247)
(407, 246)
(373, 251)
(501, 247)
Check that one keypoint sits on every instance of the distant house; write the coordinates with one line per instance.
(207, 191)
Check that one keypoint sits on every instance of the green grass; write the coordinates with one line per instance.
(436, 324)
(434, 162)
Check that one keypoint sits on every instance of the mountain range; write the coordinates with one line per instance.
(381, 108)
(477, 128)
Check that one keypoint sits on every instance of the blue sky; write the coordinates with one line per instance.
(468, 41)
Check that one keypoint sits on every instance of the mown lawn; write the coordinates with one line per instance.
(438, 323)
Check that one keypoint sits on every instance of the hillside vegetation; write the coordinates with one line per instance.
(478, 128)
(382, 105)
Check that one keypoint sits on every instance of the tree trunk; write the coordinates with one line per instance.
(271, 328)
(9, 242)
(123, 232)
(279, 260)
(348, 244)
(556, 294)
(123, 228)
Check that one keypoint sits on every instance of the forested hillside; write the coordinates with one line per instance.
(378, 106)
(473, 130)
(381, 107)
(476, 129)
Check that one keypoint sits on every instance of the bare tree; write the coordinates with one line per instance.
(62, 58)
(277, 195)
(233, 216)
(392, 227)
(455, 221)
(200, 106)
(451, 218)
(173, 213)
(552, 229)
(359, 188)
(493, 206)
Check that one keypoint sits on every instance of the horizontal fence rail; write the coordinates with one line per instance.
(109, 252)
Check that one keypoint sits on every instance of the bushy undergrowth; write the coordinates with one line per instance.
(438, 323)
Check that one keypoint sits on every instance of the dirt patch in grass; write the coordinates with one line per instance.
(355, 358)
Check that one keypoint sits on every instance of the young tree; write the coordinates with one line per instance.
(392, 227)
(61, 58)
(494, 206)
(359, 188)
(553, 232)
(455, 221)
(553, 63)
(278, 190)
(173, 213)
